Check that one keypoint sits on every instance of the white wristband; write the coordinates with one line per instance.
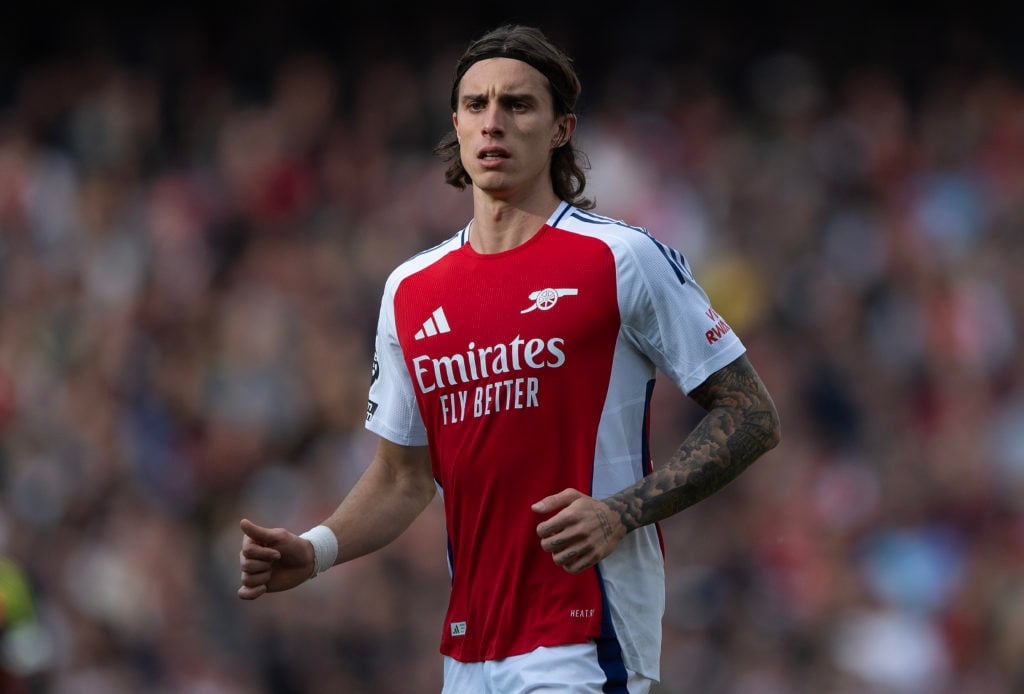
(325, 548)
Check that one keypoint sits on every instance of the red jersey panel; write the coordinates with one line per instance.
(502, 348)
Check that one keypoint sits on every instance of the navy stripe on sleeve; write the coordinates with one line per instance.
(674, 258)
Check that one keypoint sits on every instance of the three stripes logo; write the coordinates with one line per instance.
(436, 324)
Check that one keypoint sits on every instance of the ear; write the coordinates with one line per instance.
(565, 130)
(455, 124)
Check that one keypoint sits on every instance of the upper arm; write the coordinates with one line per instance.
(407, 465)
(667, 316)
(738, 387)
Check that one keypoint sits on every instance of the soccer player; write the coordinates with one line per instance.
(513, 374)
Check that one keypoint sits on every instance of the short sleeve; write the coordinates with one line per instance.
(669, 317)
(391, 411)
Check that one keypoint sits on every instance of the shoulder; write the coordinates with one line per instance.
(630, 243)
(423, 260)
(593, 224)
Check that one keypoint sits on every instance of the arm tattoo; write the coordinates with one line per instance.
(741, 424)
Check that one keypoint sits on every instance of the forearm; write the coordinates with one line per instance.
(382, 504)
(713, 455)
(741, 424)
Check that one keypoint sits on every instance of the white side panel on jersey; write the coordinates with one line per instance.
(634, 583)
(392, 412)
(634, 574)
(665, 319)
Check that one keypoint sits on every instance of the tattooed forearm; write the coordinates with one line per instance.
(741, 424)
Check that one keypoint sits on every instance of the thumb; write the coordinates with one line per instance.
(556, 502)
(257, 533)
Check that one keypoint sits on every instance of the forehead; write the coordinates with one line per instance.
(503, 75)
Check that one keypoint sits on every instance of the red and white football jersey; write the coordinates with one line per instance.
(527, 372)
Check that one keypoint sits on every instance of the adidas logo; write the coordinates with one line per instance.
(437, 323)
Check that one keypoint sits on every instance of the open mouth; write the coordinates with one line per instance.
(492, 154)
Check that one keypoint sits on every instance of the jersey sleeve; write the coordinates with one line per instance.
(391, 411)
(669, 317)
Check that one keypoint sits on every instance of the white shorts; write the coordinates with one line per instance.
(580, 668)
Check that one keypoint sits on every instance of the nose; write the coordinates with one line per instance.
(493, 122)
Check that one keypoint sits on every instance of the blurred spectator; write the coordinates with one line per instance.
(191, 259)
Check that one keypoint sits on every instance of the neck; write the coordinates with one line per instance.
(501, 226)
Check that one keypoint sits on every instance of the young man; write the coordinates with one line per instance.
(514, 369)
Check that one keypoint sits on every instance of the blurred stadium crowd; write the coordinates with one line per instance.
(191, 261)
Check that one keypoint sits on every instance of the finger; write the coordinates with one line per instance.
(574, 562)
(555, 502)
(567, 559)
(255, 578)
(561, 541)
(564, 523)
(258, 533)
(253, 566)
(251, 550)
(247, 593)
(579, 567)
(552, 543)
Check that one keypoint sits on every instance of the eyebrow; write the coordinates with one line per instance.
(507, 98)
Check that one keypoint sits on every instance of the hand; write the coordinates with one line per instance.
(583, 531)
(272, 560)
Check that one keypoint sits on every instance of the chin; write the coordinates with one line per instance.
(491, 182)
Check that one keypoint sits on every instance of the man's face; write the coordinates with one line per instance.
(507, 128)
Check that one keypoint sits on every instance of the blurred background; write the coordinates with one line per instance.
(199, 208)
